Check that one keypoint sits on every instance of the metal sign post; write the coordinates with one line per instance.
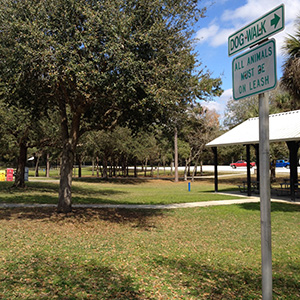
(265, 203)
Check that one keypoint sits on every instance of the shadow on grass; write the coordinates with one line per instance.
(118, 180)
(274, 207)
(48, 187)
(218, 282)
(46, 199)
(235, 180)
(143, 219)
(41, 277)
(222, 190)
(30, 199)
(43, 187)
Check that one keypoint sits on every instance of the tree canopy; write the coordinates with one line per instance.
(291, 74)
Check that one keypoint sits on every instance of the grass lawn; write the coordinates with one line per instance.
(121, 191)
(199, 253)
(193, 253)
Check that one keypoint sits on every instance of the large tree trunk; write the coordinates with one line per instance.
(97, 166)
(145, 170)
(48, 165)
(66, 170)
(135, 168)
(195, 170)
(105, 163)
(69, 140)
(19, 179)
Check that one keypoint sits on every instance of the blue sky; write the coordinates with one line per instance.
(223, 18)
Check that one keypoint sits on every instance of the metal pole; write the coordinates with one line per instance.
(248, 170)
(176, 154)
(257, 161)
(215, 151)
(293, 149)
(265, 203)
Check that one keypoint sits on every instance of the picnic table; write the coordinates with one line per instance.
(244, 187)
(285, 184)
(285, 188)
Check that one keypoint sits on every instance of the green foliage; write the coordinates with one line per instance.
(230, 154)
(106, 60)
(246, 108)
(199, 127)
(291, 76)
(20, 127)
(240, 111)
(183, 149)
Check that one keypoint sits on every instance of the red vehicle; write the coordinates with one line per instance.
(241, 163)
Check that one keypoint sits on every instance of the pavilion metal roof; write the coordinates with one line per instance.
(283, 127)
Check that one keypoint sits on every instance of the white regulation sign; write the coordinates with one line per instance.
(254, 72)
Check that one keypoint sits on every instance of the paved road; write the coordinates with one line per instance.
(227, 168)
(240, 169)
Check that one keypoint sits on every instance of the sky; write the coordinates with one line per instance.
(225, 17)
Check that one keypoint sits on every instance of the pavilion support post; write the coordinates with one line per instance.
(293, 150)
(248, 170)
(256, 147)
(215, 151)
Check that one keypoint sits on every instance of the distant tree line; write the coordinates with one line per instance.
(110, 152)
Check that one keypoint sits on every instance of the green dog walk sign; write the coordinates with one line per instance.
(254, 72)
(257, 31)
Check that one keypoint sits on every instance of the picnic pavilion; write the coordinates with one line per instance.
(283, 127)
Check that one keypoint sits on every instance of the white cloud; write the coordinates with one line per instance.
(213, 105)
(205, 34)
(256, 8)
(221, 37)
(250, 11)
(213, 35)
(220, 103)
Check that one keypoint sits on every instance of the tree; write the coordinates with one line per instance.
(202, 124)
(291, 68)
(98, 63)
(237, 112)
(22, 132)
(8, 147)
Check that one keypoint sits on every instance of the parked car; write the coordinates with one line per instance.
(241, 163)
(281, 163)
